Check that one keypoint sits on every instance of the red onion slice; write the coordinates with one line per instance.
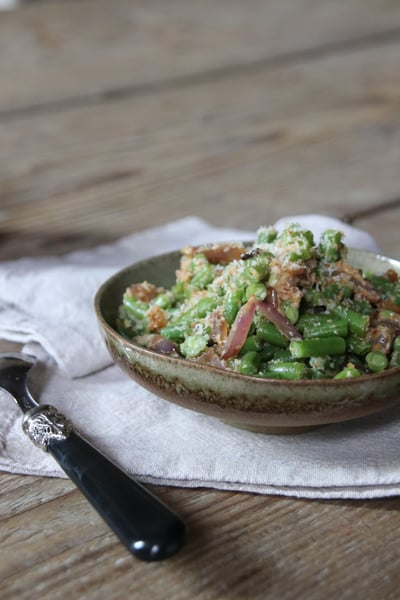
(279, 320)
(242, 323)
(240, 328)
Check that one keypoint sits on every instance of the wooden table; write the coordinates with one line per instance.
(119, 116)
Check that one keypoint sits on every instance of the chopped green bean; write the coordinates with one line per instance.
(322, 325)
(178, 291)
(357, 345)
(331, 247)
(266, 235)
(285, 370)
(389, 289)
(282, 354)
(347, 373)
(203, 277)
(232, 304)
(249, 362)
(256, 289)
(291, 311)
(252, 343)
(357, 322)
(163, 301)
(299, 244)
(198, 310)
(268, 332)
(317, 347)
(395, 359)
(175, 332)
(137, 308)
(376, 361)
(193, 345)
(325, 366)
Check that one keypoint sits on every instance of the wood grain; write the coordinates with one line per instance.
(273, 547)
(119, 116)
(318, 137)
(77, 52)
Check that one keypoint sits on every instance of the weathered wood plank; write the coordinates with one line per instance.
(240, 545)
(22, 494)
(58, 51)
(320, 137)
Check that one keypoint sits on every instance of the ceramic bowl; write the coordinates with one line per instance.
(265, 405)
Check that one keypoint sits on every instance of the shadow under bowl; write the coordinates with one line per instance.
(263, 405)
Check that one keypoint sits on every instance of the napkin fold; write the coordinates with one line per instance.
(47, 304)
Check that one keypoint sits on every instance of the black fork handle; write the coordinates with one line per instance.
(143, 523)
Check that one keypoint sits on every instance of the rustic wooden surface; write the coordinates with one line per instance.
(118, 116)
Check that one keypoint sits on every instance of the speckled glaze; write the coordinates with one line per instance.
(273, 406)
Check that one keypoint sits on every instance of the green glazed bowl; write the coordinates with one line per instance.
(265, 405)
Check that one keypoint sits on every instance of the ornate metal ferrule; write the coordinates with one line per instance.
(43, 424)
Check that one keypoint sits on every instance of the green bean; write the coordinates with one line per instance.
(336, 292)
(314, 297)
(268, 352)
(252, 343)
(249, 362)
(177, 329)
(347, 373)
(322, 325)
(314, 374)
(317, 347)
(389, 315)
(285, 370)
(233, 302)
(395, 359)
(203, 276)
(163, 300)
(267, 332)
(178, 291)
(256, 289)
(198, 310)
(358, 323)
(193, 345)
(291, 311)
(357, 345)
(134, 306)
(198, 262)
(127, 326)
(390, 290)
(381, 283)
(255, 269)
(175, 332)
(299, 243)
(331, 247)
(259, 263)
(282, 354)
(325, 366)
(266, 235)
(360, 306)
(376, 361)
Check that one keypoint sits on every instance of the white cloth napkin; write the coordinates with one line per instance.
(47, 304)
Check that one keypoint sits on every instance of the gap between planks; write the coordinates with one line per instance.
(371, 211)
(346, 46)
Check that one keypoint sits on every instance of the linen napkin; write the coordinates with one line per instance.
(47, 304)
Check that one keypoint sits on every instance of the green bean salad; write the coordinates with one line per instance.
(284, 308)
